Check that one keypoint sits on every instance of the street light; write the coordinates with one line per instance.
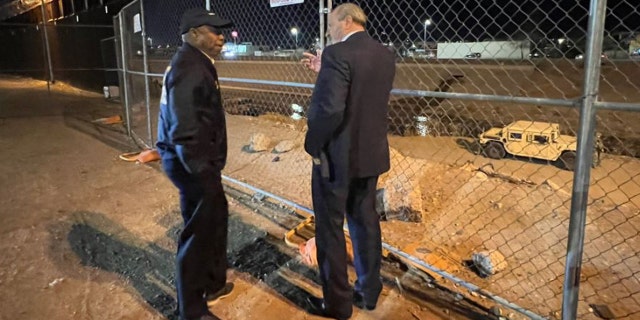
(424, 39)
(294, 32)
(234, 35)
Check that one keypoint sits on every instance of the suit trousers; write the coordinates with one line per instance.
(202, 245)
(331, 200)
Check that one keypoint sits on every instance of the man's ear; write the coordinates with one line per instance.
(194, 32)
(348, 19)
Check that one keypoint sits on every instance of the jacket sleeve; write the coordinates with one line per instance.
(328, 103)
(188, 103)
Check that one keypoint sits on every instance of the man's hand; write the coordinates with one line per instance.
(312, 61)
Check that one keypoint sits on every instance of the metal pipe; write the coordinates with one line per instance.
(87, 69)
(140, 73)
(400, 253)
(321, 34)
(127, 6)
(73, 8)
(207, 5)
(125, 81)
(582, 174)
(485, 97)
(46, 40)
(269, 82)
(618, 106)
(327, 11)
(269, 194)
(147, 98)
(60, 25)
(430, 94)
(44, 60)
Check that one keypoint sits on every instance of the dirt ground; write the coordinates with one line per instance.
(471, 204)
(85, 235)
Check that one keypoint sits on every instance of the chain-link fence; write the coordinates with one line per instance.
(59, 52)
(53, 42)
(513, 127)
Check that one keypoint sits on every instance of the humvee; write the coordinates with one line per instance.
(532, 139)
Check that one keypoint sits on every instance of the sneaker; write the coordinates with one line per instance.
(220, 294)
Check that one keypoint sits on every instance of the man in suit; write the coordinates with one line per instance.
(192, 142)
(347, 139)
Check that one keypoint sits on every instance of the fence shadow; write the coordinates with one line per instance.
(149, 268)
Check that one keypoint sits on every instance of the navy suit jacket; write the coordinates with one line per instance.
(191, 123)
(348, 116)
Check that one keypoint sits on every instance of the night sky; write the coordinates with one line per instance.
(399, 20)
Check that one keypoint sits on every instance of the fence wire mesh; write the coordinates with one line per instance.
(482, 124)
(73, 55)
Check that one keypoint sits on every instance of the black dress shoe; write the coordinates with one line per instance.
(220, 294)
(318, 309)
(358, 301)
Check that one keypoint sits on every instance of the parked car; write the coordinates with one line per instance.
(536, 54)
(473, 55)
(581, 56)
(580, 59)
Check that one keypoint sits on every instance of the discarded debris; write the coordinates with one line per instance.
(258, 197)
(284, 146)
(55, 282)
(108, 120)
(400, 288)
(258, 142)
(140, 156)
(492, 173)
(602, 311)
(488, 263)
(496, 311)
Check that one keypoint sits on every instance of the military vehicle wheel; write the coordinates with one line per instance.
(568, 160)
(494, 150)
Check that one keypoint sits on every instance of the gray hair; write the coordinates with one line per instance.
(351, 10)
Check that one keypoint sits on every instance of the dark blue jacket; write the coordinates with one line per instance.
(191, 123)
(347, 118)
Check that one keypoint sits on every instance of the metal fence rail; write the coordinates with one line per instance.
(539, 214)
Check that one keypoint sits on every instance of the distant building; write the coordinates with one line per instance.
(230, 49)
(484, 50)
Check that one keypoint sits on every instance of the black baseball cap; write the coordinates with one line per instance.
(196, 17)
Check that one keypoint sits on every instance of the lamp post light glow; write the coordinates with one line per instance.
(234, 35)
(294, 32)
(427, 23)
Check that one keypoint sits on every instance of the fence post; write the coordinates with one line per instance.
(147, 97)
(321, 11)
(125, 75)
(46, 41)
(586, 131)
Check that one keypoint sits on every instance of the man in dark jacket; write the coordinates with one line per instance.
(347, 139)
(192, 142)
